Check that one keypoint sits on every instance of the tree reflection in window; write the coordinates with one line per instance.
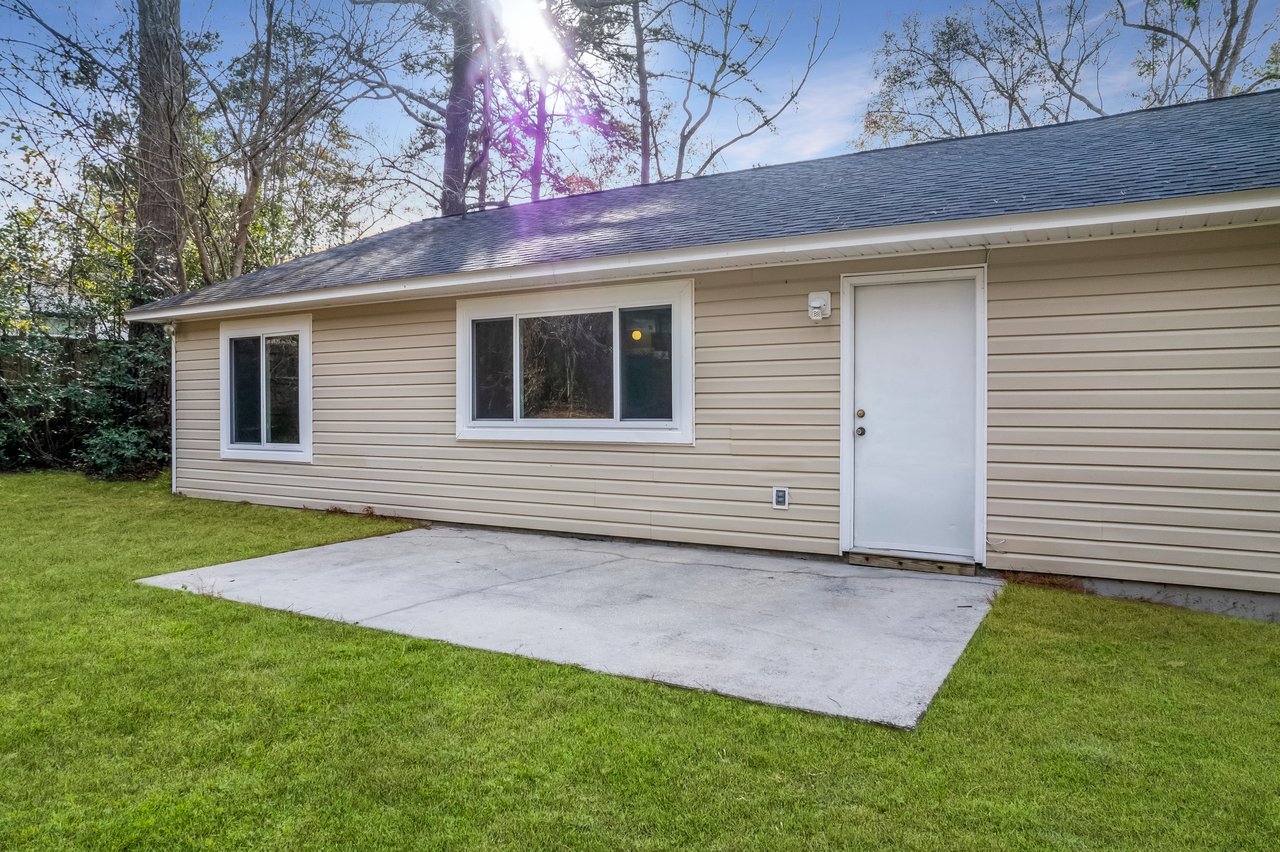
(282, 389)
(566, 366)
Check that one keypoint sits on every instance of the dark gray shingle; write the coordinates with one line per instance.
(1202, 148)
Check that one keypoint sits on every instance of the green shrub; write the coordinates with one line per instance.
(41, 392)
(97, 405)
(120, 452)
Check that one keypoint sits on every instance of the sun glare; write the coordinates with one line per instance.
(525, 27)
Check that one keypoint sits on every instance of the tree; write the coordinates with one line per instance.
(723, 45)
(273, 110)
(1070, 44)
(716, 48)
(448, 114)
(1198, 49)
(69, 106)
(530, 123)
(956, 77)
(643, 18)
(1023, 63)
(680, 69)
(132, 165)
(458, 108)
(161, 104)
(550, 116)
(639, 29)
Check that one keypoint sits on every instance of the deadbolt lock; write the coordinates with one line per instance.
(859, 431)
(861, 413)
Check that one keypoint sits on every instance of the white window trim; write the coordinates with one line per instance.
(678, 430)
(299, 325)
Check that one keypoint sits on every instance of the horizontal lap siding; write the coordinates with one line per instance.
(1133, 414)
(1134, 409)
(767, 396)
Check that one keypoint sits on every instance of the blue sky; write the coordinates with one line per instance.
(827, 117)
(828, 114)
(824, 121)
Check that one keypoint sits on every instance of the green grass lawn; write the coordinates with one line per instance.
(135, 717)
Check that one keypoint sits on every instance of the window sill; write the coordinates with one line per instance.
(577, 434)
(247, 454)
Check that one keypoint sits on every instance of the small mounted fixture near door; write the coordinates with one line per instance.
(819, 305)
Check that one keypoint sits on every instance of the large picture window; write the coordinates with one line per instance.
(606, 364)
(266, 389)
(566, 367)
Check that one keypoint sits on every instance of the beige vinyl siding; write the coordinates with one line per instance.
(767, 413)
(1134, 409)
(1133, 417)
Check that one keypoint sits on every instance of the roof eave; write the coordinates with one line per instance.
(1178, 214)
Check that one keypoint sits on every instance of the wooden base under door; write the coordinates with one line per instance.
(929, 566)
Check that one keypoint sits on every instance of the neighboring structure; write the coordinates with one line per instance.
(1047, 350)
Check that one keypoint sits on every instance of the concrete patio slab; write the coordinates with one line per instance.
(813, 634)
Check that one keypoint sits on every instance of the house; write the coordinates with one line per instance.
(1051, 350)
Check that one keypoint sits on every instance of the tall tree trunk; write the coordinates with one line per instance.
(245, 211)
(256, 149)
(539, 144)
(642, 79)
(161, 98)
(486, 121)
(458, 111)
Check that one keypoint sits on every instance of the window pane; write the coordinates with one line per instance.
(646, 363)
(282, 389)
(566, 366)
(492, 364)
(246, 396)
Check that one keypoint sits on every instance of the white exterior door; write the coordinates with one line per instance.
(915, 418)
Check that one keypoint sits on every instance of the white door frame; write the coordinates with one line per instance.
(976, 274)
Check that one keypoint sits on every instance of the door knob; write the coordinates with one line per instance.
(859, 431)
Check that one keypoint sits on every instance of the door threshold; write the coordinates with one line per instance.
(906, 563)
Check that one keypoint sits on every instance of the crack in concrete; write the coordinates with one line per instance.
(462, 593)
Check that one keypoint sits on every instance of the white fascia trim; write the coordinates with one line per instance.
(726, 255)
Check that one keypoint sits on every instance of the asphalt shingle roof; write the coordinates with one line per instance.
(1208, 147)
